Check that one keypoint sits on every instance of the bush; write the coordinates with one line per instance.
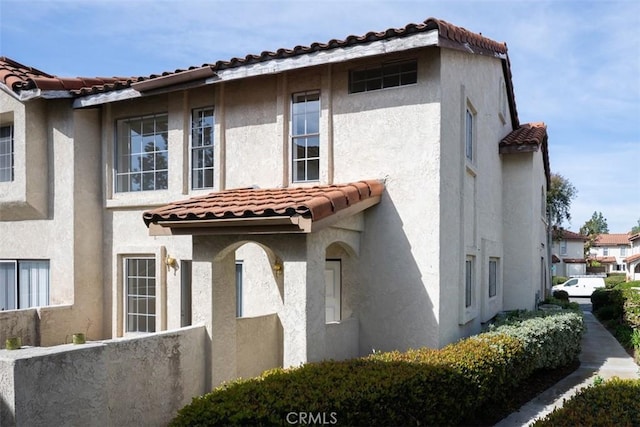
(613, 280)
(556, 280)
(551, 339)
(424, 386)
(631, 307)
(561, 295)
(614, 402)
(603, 297)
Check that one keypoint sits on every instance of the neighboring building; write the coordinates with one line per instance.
(632, 262)
(611, 250)
(377, 192)
(568, 253)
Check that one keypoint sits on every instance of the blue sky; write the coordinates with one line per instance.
(576, 64)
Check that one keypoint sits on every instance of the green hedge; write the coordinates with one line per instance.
(614, 280)
(551, 339)
(417, 387)
(615, 402)
(556, 280)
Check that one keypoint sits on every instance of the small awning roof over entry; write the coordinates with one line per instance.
(264, 211)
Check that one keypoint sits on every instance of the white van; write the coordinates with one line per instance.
(580, 286)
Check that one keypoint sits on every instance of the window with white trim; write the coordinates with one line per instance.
(202, 122)
(563, 247)
(6, 153)
(493, 277)
(140, 291)
(468, 135)
(142, 155)
(469, 279)
(24, 284)
(623, 251)
(605, 251)
(390, 74)
(305, 136)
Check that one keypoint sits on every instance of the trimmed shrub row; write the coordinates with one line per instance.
(551, 339)
(416, 387)
(612, 403)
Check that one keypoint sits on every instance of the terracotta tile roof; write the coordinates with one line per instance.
(634, 236)
(528, 137)
(450, 36)
(562, 234)
(612, 239)
(632, 258)
(574, 260)
(604, 259)
(555, 259)
(20, 77)
(315, 203)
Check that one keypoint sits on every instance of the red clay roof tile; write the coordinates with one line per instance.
(632, 258)
(311, 202)
(526, 135)
(562, 234)
(612, 239)
(21, 77)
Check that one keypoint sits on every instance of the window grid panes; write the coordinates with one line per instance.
(140, 282)
(305, 136)
(623, 251)
(142, 154)
(383, 76)
(6, 153)
(493, 277)
(202, 122)
(468, 283)
(468, 139)
(563, 247)
(24, 284)
(605, 251)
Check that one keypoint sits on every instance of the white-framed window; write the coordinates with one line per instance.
(469, 280)
(563, 247)
(140, 294)
(305, 136)
(623, 251)
(24, 284)
(142, 153)
(202, 124)
(605, 251)
(391, 74)
(469, 130)
(493, 277)
(6, 153)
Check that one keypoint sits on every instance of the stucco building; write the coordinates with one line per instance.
(568, 253)
(376, 192)
(611, 250)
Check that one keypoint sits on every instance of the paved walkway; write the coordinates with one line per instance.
(601, 355)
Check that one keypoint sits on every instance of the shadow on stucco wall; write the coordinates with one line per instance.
(395, 308)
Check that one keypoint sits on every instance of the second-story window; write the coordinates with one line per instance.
(202, 122)
(468, 135)
(305, 136)
(142, 155)
(383, 76)
(6, 153)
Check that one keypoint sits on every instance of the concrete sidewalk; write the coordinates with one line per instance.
(601, 355)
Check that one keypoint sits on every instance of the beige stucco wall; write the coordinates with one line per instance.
(470, 208)
(68, 235)
(27, 196)
(116, 382)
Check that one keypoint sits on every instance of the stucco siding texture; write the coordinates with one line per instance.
(140, 381)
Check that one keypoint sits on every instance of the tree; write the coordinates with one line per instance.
(592, 228)
(596, 225)
(559, 196)
(636, 228)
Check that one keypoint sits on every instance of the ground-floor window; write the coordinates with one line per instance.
(469, 280)
(493, 277)
(140, 283)
(24, 284)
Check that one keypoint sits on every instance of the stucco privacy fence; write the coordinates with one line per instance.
(114, 382)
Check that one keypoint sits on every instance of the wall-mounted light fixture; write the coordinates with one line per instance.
(171, 263)
(277, 267)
